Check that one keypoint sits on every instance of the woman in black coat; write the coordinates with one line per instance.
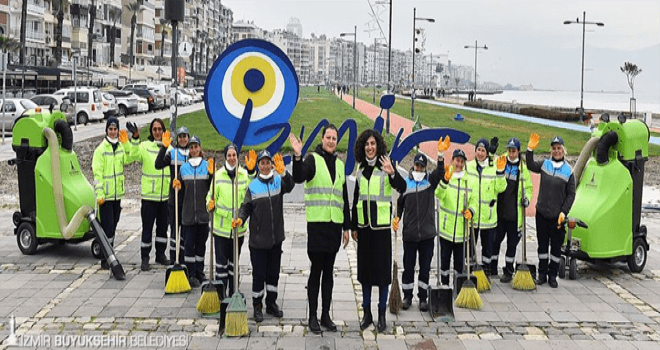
(371, 219)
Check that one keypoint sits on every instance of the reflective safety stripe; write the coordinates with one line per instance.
(485, 259)
(456, 187)
(221, 275)
(275, 192)
(407, 286)
(271, 288)
(112, 176)
(198, 177)
(152, 176)
(145, 245)
(161, 240)
(218, 266)
(419, 188)
(543, 256)
(444, 272)
(189, 259)
(510, 259)
(554, 258)
(320, 190)
(199, 258)
(422, 285)
(493, 258)
(313, 203)
(258, 294)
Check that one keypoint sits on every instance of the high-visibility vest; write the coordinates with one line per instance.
(155, 183)
(324, 200)
(452, 204)
(108, 169)
(224, 194)
(377, 190)
(488, 184)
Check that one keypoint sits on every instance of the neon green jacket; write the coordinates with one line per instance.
(488, 184)
(223, 200)
(155, 183)
(108, 169)
(451, 207)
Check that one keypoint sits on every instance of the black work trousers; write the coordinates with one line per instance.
(153, 212)
(508, 229)
(173, 231)
(547, 233)
(447, 249)
(224, 261)
(320, 275)
(411, 250)
(487, 240)
(109, 213)
(265, 271)
(195, 250)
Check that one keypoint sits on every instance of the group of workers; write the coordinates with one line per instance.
(489, 192)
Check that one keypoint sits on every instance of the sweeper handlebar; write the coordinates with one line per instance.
(572, 222)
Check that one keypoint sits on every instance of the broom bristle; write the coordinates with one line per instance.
(236, 324)
(523, 280)
(209, 302)
(177, 283)
(468, 297)
(483, 284)
(396, 304)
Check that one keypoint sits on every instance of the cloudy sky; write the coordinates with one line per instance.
(527, 40)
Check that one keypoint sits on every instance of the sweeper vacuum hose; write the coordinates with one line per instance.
(585, 155)
(67, 229)
(608, 140)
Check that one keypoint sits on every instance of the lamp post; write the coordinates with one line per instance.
(354, 34)
(389, 64)
(414, 49)
(476, 47)
(584, 23)
(375, 60)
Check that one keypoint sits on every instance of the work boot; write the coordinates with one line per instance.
(407, 301)
(202, 277)
(367, 320)
(382, 323)
(423, 305)
(506, 278)
(541, 279)
(326, 322)
(162, 259)
(145, 264)
(194, 282)
(258, 313)
(274, 310)
(314, 324)
(552, 281)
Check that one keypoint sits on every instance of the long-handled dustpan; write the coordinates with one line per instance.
(531, 267)
(441, 299)
(465, 275)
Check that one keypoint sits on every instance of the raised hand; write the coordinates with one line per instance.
(443, 145)
(167, 139)
(533, 141)
(133, 129)
(211, 166)
(279, 164)
(295, 144)
(386, 165)
(251, 160)
(449, 171)
(501, 163)
(123, 136)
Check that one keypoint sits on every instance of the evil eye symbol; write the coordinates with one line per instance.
(252, 85)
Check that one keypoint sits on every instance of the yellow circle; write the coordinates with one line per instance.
(238, 89)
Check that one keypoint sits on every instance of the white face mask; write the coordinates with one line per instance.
(458, 175)
(112, 140)
(184, 152)
(556, 164)
(195, 161)
(230, 167)
(371, 162)
(513, 161)
(483, 163)
(418, 175)
(267, 176)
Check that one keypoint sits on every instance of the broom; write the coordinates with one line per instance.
(236, 324)
(468, 297)
(209, 302)
(523, 280)
(177, 281)
(396, 304)
(483, 284)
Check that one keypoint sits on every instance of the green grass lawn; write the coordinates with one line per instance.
(312, 107)
(480, 125)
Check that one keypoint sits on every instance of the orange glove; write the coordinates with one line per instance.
(237, 223)
(395, 224)
(533, 141)
(443, 145)
(279, 164)
(211, 166)
(167, 139)
(467, 214)
(210, 205)
(176, 184)
(449, 171)
(100, 201)
(501, 163)
(561, 219)
(251, 160)
(123, 136)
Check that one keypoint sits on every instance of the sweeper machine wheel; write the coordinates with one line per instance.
(562, 267)
(637, 260)
(26, 237)
(572, 269)
(96, 249)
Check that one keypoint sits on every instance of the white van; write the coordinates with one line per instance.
(90, 103)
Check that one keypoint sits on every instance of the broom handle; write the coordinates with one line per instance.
(466, 233)
(396, 248)
(234, 200)
(176, 207)
(437, 243)
(212, 263)
(524, 214)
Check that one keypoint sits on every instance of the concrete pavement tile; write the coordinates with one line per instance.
(233, 343)
(391, 344)
(536, 316)
(477, 344)
(320, 343)
(204, 343)
(646, 345)
(619, 345)
(528, 306)
(564, 344)
(449, 344)
(114, 311)
(293, 343)
(563, 316)
(259, 343)
(535, 344)
(506, 345)
(512, 316)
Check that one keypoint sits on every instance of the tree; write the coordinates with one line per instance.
(23, 30)
(8, 44)
(133, 7)
(631, 71)
(90, 32)
(58, 31)
(163, 26)
(115, 15)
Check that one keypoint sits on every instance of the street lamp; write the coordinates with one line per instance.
(414, 50)
(354, 34)
(375, 59)
(476, 47)
(584, 23)
(389, 64)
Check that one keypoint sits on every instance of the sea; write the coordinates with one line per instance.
(615, 101)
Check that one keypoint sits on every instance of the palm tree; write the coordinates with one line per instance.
(133, 7)
(115, 15)
(163, 24)
(23, 30)
(90, 32)
(8, 44)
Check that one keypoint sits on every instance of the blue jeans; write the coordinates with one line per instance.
(382, 296)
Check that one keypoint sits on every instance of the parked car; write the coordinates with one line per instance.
(143, 105)
(127, 102)
(109, 107)
(160, 90)
(196, 97)
(13, 109)
(153, 101)
(89, 103)
(182, 98)
(200, 91)
(62, 103)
